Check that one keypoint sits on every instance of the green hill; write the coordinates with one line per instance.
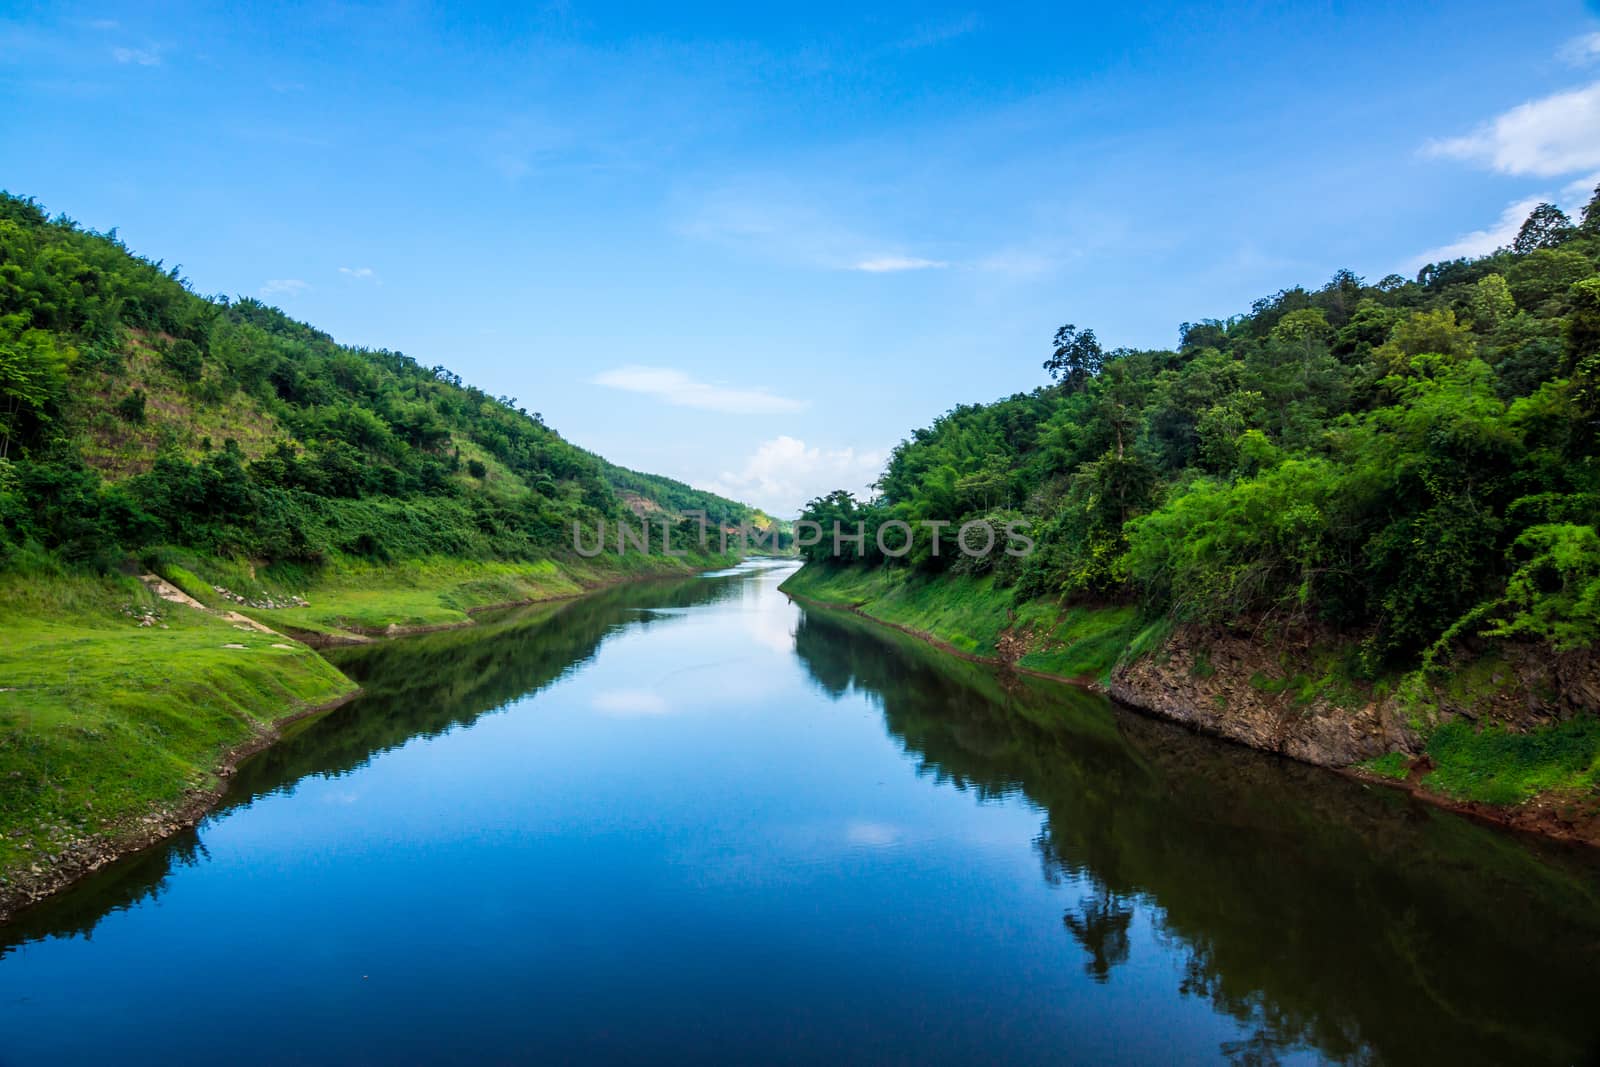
(138, 412)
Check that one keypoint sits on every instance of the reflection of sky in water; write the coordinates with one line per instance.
(717, 830)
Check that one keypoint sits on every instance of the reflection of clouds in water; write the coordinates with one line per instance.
(866, 834)
(771, 630)
(629, 703)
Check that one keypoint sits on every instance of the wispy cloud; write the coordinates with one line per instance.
(1482, 242)
(359, 273)
(773, 220)
(144, 57)
(786, 224)
(783, 473)
(935, 33)
(103, 24)
(892, 264)
(673, 386)
(1556, 135)
(1571, 199)
(284, 287)
(1581, 51)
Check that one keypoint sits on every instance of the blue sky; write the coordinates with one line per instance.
(752, 246)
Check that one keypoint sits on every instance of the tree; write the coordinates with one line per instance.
(131, 409)
(1077, 357)
(184, 359)
(32, 377)
(1589, 221)
(1546, 227)
(1491, 303)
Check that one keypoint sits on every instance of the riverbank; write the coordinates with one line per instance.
(1506, 736)
(125, 704)
(350, 601)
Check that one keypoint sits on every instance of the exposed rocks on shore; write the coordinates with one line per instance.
(1212, 681)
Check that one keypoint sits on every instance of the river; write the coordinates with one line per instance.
(693, 822)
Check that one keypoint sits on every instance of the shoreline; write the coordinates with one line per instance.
(1536, 817)
(96, 851)
(362, 635)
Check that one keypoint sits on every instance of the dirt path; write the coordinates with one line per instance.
(172, 594)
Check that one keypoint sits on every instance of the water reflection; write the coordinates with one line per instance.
(760, 878)
(418, 687)
(1316, 911)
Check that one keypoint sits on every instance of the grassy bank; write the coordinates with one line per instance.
(106, 719)
(973, 617)
(118, 708)
(353, 597)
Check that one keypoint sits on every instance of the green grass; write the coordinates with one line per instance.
(970, 614)
(962, 612)
(1396, 765)
(1079, 641)
(352, 595)
(103, 721)
(1496, 766)
(355, 596)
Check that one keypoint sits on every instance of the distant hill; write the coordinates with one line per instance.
(136, 412)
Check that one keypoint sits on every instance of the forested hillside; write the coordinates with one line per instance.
(136, 413)
(1409, 463)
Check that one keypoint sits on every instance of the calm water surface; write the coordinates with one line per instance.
(692, 822)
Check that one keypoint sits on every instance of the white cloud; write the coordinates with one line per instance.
(674, 387)
(103, 24)
(1482, 242)
(891, 264)
(629, 703)
(784, 473)
(284, 287)
(362, 273)
(1557, 135)
(1581, 51)
(144, 57)
(1573, 196)
(1578, 192)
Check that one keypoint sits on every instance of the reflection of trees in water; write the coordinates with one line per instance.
(1260, 1049)
(1100, 924)
(1312, 910)
(413, 687)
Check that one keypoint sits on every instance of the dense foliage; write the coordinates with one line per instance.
(112, 370)
(1410, 461)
